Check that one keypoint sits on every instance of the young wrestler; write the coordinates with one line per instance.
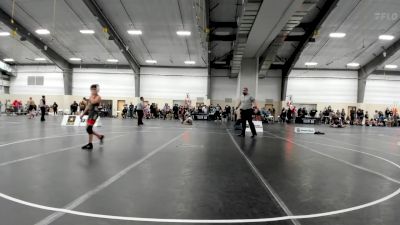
(92, 109)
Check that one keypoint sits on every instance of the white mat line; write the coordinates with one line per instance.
(206, 221)
(49, 153)
(53, 217)
(348, 163)
(265, 183)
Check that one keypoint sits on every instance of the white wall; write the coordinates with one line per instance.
(381, 89)
(223, 87)
(313, 86)
(113, 82)
(53, 81)
(173, 83)
(270, 86)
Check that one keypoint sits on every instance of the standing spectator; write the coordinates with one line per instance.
(228, 112)
(131, 109)
(55, 108)
(176, 109)
(1, 105)
(352, 116)
(42, 106)
(246, 104)
(273, 112)
(74, 108)
(139, 109)
(82, 105)
(166, 110)
(387, 113)
(343, 115)
(152, 111)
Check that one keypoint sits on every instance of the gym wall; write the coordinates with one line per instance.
(52, 76)
(163, 85)
(113, 82)
(173, 83)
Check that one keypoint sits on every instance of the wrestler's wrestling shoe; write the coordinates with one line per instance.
(88, 147)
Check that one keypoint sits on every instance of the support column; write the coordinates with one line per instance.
(248, 76)
(67, 75)
(137, 85)
(362, 83)
(284, 83)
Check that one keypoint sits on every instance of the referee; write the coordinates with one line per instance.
(246, 111)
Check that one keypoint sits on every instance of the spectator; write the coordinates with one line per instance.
(42, 106)
(74, 108)
(82, 105)
(55, 108)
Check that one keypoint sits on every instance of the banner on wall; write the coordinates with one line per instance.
(76, 121)
(257, 124)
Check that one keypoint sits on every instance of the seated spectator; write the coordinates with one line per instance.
(313, 112)
(337, 122)
(257, 114)
(187, 118)
(265, 112)
(381, 119)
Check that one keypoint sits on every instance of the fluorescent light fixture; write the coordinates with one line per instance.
(190, 62)
(135, 32)
(8, 60)
(42, 31)
(40, 59)
(151, 61)
(391, 66)
(337, 35)
(4, 33)
(112, 60)
(75, 59)
(311, 63)
(353, 64)
(222, 33)
(87, 31)
(183, 33)
(386, 37)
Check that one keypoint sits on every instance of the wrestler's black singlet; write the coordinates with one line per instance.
(93, 114)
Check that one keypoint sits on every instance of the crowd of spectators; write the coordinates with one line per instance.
(335, 118)
(339, 118)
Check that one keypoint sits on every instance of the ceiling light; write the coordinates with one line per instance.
(391, 66)
(311, 63)
(337, 35)
(42, 31)
(222, 33)
(386, 37)
(87, 31)
(151, 61)
(4, 33)
(135, 32)
(183, 33)
(112, 60)
(75, 59)
(353, 64)
(40, 59)
(190, 62)
(8, 60)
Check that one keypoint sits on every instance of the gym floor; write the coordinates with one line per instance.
(204, 172)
